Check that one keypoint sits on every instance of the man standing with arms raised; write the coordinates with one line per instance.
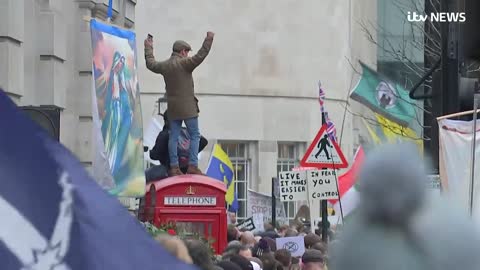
(181, 100)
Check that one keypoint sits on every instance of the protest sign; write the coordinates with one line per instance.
(246, 224)
(293, 186)
(322, 185)
(295, 245)
(258, 221)
(259, 203)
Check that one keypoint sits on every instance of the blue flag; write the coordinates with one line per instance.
(221, 168)
(54, 216)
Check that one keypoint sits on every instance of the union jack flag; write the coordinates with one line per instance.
(321, 97)
(331, 130)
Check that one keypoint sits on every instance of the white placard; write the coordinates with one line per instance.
(258, 221)
(322, 185)
(190, 200)
(296, 245)
(259, 203)
(293, 186)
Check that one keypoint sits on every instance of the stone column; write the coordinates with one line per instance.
(52, 76)
(11, 49)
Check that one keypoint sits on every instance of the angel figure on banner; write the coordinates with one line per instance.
(118, 118)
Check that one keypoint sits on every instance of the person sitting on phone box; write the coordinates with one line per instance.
(181, 101)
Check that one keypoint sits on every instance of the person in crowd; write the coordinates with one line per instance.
(291, 232)
(313, 259)
(175, 246)
(283, 230)
(284, 257)
(272, 244)
(232, 233)
(330, 233)
(255, 265)
(160, 149)
(269, 262)
(258, 261)
(261, 248)
(228, 265)
(241, 261)
(248, 239)
(311, 239)
(181, 101)
(198, 250)
(269, 230)
(231, 218)
(233, 248)
(322, 247)
(245, 252)
(295, 264)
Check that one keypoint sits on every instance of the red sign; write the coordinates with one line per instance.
(324, 153)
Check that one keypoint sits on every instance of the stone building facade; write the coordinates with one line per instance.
(257, 89)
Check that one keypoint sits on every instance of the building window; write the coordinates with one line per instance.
(238, 154)
(288, 159)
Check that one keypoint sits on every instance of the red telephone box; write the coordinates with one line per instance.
(195, 203)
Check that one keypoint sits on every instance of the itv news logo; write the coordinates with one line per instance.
(437, 17)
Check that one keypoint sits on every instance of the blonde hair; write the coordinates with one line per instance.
(175, 246)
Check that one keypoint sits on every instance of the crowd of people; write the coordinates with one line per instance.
(249, 251)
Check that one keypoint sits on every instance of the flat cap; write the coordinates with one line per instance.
(180, 45)
(312, 255)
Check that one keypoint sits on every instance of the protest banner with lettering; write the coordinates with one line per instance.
(293, 186)
(296, 245)
(322, 185)
(259, 203)
(246, 224)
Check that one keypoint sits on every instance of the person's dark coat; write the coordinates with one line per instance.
(160, 150)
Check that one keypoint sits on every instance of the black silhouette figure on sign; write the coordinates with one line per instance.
(322, 144)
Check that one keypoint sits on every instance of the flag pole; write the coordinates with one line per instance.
(274, 203)
(109, 11)
(476, 97)
(323, 204)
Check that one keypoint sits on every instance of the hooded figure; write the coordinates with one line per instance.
(118, 115)
(394, 228)
(160, 149)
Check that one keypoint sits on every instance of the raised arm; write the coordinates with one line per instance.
(190, 63)
(152, 65)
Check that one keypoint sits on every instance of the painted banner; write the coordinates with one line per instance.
(455, 138)
(117, 115)
(259, 203)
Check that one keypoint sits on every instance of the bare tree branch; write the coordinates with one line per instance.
(375, 122)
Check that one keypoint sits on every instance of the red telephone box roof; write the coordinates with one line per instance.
(189, 178)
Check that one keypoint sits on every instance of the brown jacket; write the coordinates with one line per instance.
(177, 73)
